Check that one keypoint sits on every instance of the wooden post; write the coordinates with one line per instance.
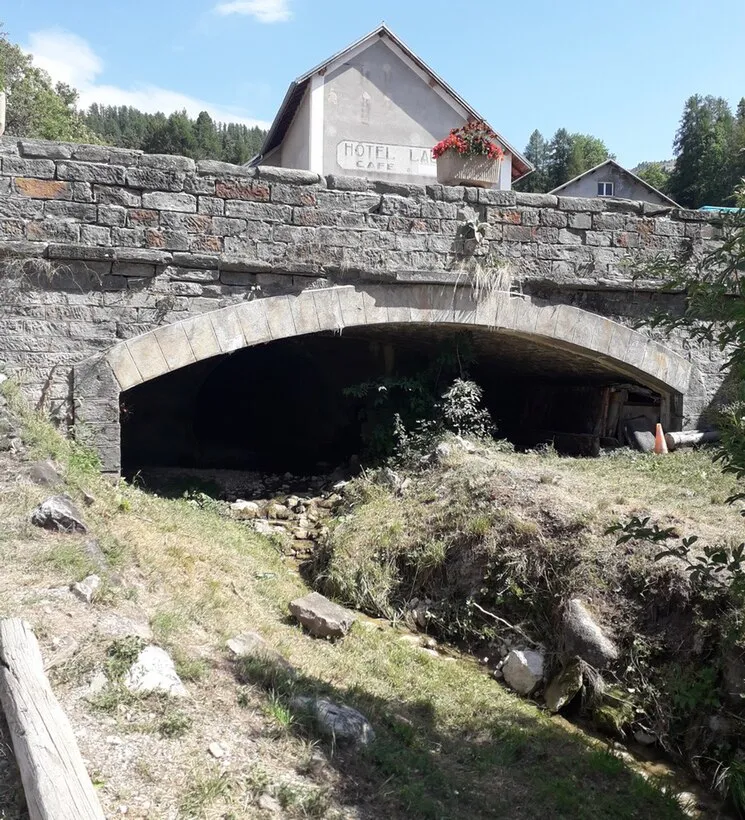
(690, 437)
(55, 780)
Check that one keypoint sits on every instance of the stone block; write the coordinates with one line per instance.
(568, 236)
(191, 223)
(262, 211)
(144, 255)
(124, 156)
(211, 167)
(579, 221)
(143, 218)
(518, 233)
(37, 168)
(279, 317)
(168, 162)
(304, 315)
(124, 367)
(536, 200)
(44, 149)
(249, 189)
(61, 209)
(502, 199)
(199, 185)
(95, 235)
(288, 176)
(12, 228)
(228, 329)
(148, 356)
(293, 195)
(175, 346)
(210, 205)
(43, 188)
(351, 304)
(201, 336)
(112, 215)
(115, 195)
(345, 183)
(328, 307)
(253, 320)
(391, 204)
(553, 219)
(52, 230)
(574, 203)
(161, 201)
(228, 226)
(191, 274)
(91, 172)
(17, 208)
(167, 240)
(151, 179)
(348, 201)
(608, 222)
(374, 305)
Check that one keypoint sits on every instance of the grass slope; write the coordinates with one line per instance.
(451, 742)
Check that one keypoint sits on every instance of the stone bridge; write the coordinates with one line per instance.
(119, 268)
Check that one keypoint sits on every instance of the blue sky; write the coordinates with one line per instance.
(618, 70)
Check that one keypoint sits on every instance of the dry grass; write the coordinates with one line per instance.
(451, 741)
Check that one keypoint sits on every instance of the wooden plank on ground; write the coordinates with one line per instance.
(55, 780)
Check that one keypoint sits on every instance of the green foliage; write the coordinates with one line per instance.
(655, 174)
(120, 655)
(35, 106)
(706, 149)
(562, 158)
(202, 138)
(402, 414)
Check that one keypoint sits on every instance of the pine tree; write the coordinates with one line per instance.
(536, 152)
(705, 171)
(560, 157)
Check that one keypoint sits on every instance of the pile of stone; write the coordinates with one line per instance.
(299, 518)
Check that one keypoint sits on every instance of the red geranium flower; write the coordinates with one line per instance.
(475, 138)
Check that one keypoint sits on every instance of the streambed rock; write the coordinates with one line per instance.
(523, 670)
(564, 687)
(154, 671)
(342, 723)
(584, 638)
(59, 513)
(321, 617)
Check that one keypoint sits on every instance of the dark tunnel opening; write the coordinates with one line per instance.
(286, 406)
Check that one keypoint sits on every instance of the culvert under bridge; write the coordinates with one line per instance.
(266, 384)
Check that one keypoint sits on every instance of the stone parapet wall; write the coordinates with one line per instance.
(122, 242)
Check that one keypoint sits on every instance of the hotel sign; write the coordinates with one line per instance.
(385, 158)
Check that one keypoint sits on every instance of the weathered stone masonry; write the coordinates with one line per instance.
(142, 263)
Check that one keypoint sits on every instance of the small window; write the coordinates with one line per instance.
(605, 189)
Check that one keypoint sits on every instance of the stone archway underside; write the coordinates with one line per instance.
(586, 335)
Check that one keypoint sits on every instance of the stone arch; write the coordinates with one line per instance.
(99, 381)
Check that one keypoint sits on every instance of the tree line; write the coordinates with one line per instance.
(39, 108)
(200, 138)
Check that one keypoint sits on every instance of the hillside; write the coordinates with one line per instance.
(450, 739)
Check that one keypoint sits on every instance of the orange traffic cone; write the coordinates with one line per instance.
(660, 445)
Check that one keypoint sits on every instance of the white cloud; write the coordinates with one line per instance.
(265, 11)
(69, 58)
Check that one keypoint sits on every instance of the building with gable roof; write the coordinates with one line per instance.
(375, 110)
(609, 179)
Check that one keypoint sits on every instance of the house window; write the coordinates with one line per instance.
(605, 189)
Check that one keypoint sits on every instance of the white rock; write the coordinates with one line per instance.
(245, 510)
(268, 803)
(523, 670)
(154, 671)
(252, 645)
(87, 589)
(98, 684)
(216, 750)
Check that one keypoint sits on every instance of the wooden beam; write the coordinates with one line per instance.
(54, 777)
